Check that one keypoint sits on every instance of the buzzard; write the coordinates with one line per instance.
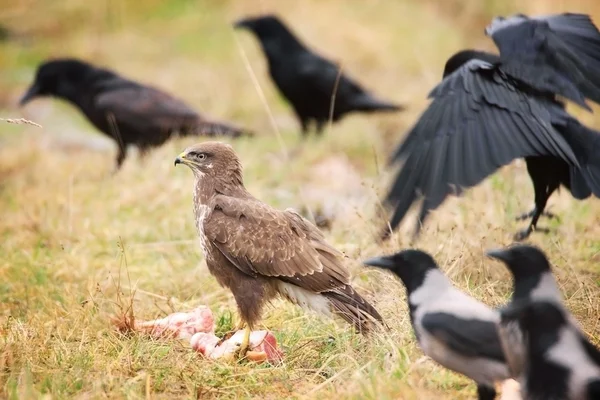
(259, 252)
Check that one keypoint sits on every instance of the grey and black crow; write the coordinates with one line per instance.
(532, 275)
(128, 112)
(308, 81)
(558, 364)
(454, 329)
(533, 281)
(491, 109)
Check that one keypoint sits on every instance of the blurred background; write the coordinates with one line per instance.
(69, 229)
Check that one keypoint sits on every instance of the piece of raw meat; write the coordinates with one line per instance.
(511, 390)
(263, 346)
(179, 325)
(198, 327)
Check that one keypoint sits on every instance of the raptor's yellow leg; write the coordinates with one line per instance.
(239, 326)
(244, 346)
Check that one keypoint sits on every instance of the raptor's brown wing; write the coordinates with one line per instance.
(260, 240)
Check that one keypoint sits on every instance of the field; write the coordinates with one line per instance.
(79, 245)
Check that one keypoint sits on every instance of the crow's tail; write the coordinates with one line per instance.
(369, 104)
(215, 128)
(586, 144)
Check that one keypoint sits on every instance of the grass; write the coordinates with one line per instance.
(79, 245)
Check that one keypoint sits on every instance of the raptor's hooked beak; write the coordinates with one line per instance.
(180, 159)
(29, 95)
(380, 262)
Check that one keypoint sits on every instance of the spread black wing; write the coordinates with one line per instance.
(478, 121)
(557, 53)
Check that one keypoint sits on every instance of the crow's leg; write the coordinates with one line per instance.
(531, 213)
(143, 153)
(320, 126)
(543, 192)
(121, 154)
(304, 125)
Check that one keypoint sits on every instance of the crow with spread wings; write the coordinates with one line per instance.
(489, 110)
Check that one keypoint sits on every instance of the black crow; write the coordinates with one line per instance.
(489, 110)
(127, 111)
(558, 364)
(533, 281)
(308, 81)
(451, 327)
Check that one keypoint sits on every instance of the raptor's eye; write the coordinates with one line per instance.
(197, 156)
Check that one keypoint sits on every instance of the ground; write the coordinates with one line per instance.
(80, 245)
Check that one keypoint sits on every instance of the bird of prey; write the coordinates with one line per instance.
(558, 364)
(258, 252)
(533, 281)
(128, 112)
(491, 109)
(452, 328)
(309, 82)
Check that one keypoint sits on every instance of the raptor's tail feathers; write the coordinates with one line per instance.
(354, 309)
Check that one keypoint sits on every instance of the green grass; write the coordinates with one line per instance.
(79, 245)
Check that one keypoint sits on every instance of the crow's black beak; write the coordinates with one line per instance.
(32, 92)
(498, 254)
(380, 262)
(242, 23)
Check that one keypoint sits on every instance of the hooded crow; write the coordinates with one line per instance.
(557, 364)
(533, 281)
(531, 271)
(315, 87)
(451, 327)
(491, 109)
(127, 111)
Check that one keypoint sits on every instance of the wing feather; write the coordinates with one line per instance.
(477, 122)
(473, 338)
(558, 53)
(260, 240)
(132, 104)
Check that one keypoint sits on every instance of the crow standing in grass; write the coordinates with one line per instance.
(308, 81)
(452, 328)
(558, 364)
(128, 112)
(533, 281)
(260, 253)
(489, 110)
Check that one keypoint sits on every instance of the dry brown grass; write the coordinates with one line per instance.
(77, 241)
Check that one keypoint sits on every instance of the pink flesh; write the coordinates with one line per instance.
(198, 326)
(181, 325)
(260, 341)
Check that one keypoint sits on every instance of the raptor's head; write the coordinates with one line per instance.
(216, 160)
